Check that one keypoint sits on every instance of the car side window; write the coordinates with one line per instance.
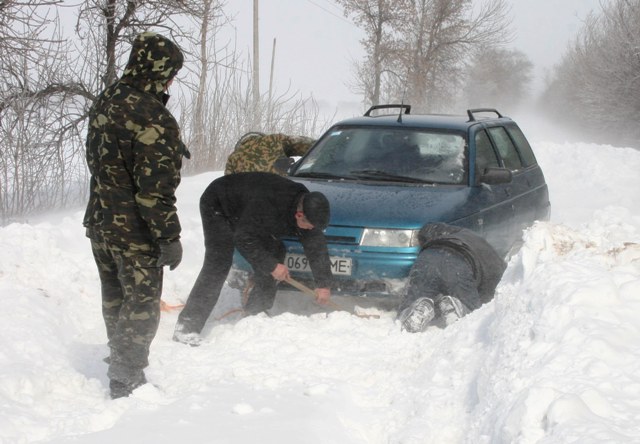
(506, 148)
(528, 158)
(485, 155)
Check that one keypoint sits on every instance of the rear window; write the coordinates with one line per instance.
(523, 146)
(485, 155)
(506, 148)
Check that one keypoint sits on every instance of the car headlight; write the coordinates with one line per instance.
(381, 237)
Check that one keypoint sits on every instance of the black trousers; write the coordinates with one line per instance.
(441, 272)
(218, 257)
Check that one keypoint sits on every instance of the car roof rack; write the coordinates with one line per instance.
(407, 108)
(472, 118)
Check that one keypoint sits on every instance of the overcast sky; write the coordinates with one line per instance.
(315, 44)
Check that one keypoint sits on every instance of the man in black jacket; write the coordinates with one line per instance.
(455, 273)
(251, 212)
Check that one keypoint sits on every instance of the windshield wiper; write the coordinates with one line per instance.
(383, 175)
(319, 175)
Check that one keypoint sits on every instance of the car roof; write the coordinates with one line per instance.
(432, 121)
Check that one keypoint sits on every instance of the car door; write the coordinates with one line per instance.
(537, 192)
(494, 219)
(525, 194)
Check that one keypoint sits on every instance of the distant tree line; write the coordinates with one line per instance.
(437, 55)
(595, 89)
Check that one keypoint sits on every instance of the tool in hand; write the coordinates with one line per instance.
(303, 288)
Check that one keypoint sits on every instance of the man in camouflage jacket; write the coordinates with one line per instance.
(268, 153)
(134, 154)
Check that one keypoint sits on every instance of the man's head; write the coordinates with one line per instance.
(296, 145)
(153, 62)
(314, 212)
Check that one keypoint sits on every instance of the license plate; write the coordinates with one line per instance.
(299, 262)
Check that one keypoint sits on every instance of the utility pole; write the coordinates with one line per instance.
(270, 102)
(256, 70)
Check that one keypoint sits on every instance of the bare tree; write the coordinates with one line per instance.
(217, 102)
(110, 25)
(498, 78)
(38, 169)
(596, 87)
(211, 112)
(227, 114)
(381, 20)
(47, 88)
(441, 38)
(421, 46)
(201, 88)
(48, 83)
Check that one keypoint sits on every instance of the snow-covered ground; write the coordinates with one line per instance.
(555, 358)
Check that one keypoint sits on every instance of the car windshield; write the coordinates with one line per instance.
(387, 154)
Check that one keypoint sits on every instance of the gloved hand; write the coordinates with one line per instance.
(170, 254)
(282, 165)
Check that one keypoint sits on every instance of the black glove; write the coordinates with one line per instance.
(170, 254)
(282, 165)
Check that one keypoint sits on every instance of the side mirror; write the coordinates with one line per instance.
(493, 176)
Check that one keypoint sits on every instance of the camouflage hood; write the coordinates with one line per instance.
(154, 60)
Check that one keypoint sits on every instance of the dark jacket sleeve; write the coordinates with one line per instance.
(315, 248)
(254, 232)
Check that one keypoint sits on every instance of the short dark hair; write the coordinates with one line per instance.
(315, 207)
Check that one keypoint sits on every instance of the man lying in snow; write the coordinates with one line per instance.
(455, 273)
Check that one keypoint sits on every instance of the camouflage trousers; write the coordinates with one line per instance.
(131, 284)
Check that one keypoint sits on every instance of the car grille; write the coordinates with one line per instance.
(345, 240)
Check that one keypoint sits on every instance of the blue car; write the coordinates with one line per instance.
(386, 175)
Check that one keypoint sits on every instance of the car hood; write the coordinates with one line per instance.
(385, 205)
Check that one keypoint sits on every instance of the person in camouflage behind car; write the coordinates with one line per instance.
(270, 153)
(134, 154)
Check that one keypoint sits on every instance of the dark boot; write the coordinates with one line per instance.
(119, 389)
(183, 335)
